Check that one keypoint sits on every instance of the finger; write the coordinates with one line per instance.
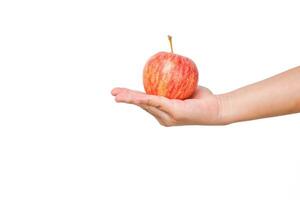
(117, 90)
(197, 94)
(162, 117)
(200, 92)
(154, 111)
(162, 103)
(135, 97)
(130, 96)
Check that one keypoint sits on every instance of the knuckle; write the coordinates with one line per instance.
(148, 101)
(170, 122)
(165, 123)
(161, 123)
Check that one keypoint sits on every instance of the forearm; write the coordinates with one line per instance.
(278, 95)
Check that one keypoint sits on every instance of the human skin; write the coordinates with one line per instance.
(275, 96)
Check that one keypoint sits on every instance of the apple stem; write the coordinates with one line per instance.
(170, 41)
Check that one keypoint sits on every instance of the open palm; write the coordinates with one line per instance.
(202, 108)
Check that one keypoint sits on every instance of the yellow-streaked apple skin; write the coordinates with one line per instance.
(170, 75)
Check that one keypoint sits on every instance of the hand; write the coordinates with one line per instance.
(203, 108)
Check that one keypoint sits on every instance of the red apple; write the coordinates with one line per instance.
(170, 75)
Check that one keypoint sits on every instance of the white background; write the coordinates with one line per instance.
(62, 136)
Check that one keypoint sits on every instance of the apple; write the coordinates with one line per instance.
(170, 75)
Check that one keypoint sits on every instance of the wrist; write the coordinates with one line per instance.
(225, 111)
